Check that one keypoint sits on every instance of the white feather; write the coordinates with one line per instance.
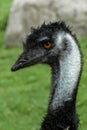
(70, 67)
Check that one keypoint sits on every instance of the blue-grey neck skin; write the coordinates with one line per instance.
(66, 73)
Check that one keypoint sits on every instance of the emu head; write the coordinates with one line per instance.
(43, 45)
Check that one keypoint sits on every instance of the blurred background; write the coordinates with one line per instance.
(24, 95)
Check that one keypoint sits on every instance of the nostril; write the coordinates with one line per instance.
(23, 60)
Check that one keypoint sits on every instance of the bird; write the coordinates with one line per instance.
(55, 44)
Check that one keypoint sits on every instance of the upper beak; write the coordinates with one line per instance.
(19, 64)
(25, 62)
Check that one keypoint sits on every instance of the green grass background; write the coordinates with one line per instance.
(24, 95)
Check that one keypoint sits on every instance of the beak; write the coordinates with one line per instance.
(23, 62)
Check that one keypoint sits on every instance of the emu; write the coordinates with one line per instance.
(54, 44)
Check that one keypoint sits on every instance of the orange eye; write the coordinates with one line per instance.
(47, 45)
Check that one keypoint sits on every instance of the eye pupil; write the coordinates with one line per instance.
(47, 45)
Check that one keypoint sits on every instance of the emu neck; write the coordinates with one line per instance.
(66, 73)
